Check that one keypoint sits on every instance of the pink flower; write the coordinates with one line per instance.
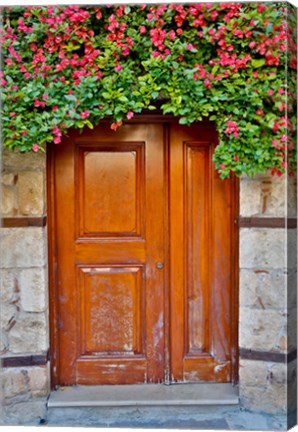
(12, 114)
(207, 84)
(57, 139)
(275, 143)
(35, 148)
(142, 29)
(232, 128)
(189, 46)
(85, 114)
(118, 67)
(270, 92)
(54, 108)
(115, 125)
(172, 34)
(45, 96)
(252, 44)
(130, 115)
(222, 166)
(238, 33)
(281, 91)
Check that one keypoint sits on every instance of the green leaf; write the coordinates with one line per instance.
(257, 63)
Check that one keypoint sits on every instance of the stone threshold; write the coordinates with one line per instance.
(144, 395)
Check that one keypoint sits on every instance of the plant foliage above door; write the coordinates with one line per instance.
(70, 66)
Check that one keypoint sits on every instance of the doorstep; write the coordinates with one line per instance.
(144, 395)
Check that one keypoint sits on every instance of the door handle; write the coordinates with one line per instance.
(159, 265)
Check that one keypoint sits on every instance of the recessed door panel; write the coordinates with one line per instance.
(111, 190)
(111, 300)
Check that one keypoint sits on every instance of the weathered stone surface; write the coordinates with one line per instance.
(7, 201)
(292, 248)
(270, 399)
(7, 284)
(15, 382)
(252, 373)
(292, 196)
(3, 345)
(31, 193)
(262, 288)
(262, 248)
(292, 288)
(292, 385)
(250, 197)
(33, 289)
(261, 329)
(292, 329)
(39, 381)
(25, 413)
(23, 161)
(8, 179)
(22, 247)
(8, 313)
(265, 195)
(29, 334)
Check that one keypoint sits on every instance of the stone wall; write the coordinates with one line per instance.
(267, 291)
(24, 290)
(267, 328)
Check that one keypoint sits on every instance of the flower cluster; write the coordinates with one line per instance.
(70, 66)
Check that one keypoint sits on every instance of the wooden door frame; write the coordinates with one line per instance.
(52, 257)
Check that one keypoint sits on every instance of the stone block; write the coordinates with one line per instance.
(7, 314)
(39, 381)
(292, 196)
(7, 285)
(23, 161)
(8, 179)
(265, 195)
(252, 373)
(22, 247)
(33, 289)
(25, 413)
(270, 399)
(262, 288)
(262, 248)
(7, 201)
(261, 329)
(292, 248)
(3, 346)
(292, 385)
(250, 197)
(31, 193)
(15, 382)
(292, 288)
(29, 334)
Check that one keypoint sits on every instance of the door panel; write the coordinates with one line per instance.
(109, 195)
(201, 216)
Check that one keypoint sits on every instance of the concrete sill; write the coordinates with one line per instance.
(144, 395)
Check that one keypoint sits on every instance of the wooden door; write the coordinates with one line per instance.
(109, 211)
(142, 257)
(202, 245)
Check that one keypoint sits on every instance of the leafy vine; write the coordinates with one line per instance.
(235, 63)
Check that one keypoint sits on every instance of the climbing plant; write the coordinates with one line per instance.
(235, 63)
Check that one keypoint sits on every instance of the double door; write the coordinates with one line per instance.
(142, 257)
